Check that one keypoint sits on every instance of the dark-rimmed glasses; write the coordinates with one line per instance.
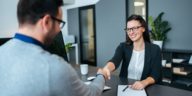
(62, 23)
(133, 29)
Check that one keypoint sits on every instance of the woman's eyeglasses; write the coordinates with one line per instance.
(134, 29)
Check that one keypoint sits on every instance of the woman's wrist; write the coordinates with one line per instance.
(110, 66)
(148, 81)
(145, 83)
(106, 67)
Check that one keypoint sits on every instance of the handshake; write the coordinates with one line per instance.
(105, 72)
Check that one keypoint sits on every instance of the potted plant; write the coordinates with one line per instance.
(159, 29)
(68, 46)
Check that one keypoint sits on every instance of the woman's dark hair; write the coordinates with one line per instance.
(143, 24)
(30, 11)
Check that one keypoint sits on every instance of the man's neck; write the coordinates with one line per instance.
(31, 32)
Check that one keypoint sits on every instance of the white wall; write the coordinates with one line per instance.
(8, 18)
(78, 3)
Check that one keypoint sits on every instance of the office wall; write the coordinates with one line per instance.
(110, 22)
(178, 13)
(76, 4)
(73, 27)
(8, 18)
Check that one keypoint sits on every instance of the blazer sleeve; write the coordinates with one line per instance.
(118, 56)
(156, 64)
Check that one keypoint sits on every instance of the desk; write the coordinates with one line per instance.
(153, 90)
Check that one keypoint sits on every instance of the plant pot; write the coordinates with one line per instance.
(159, 43)
(68, 56)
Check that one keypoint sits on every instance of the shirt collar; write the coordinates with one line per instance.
(28, 39)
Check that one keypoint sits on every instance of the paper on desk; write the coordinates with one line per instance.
(104, 89)
(130, 92)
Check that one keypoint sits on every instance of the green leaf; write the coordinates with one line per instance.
(159, 27)
(68, 46)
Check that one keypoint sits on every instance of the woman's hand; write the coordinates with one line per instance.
(138, 85)
(108, 69)
(108, 72)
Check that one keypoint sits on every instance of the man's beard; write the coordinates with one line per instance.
(49, 39)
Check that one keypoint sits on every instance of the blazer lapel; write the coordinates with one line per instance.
(129, 50)
(129, 53)
(147, 59)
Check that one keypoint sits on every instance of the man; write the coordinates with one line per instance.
(26, 69)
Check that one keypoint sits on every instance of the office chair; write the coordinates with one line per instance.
(3, 40)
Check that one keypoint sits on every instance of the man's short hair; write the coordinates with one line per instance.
(30, 11)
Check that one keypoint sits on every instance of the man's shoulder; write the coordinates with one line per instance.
(54, 60)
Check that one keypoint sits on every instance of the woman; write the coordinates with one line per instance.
(141, 60)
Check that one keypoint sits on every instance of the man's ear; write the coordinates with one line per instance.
(46, 23)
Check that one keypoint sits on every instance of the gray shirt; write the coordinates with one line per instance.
(28, 70)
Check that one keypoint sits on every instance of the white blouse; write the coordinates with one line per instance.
(136, 65)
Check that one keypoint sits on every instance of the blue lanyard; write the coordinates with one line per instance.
(28, 39)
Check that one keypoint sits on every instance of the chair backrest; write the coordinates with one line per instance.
(3, 40)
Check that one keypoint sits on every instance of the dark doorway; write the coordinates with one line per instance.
(87, 35)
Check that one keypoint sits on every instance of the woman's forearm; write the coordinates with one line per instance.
(110, 66)
(148, 81)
